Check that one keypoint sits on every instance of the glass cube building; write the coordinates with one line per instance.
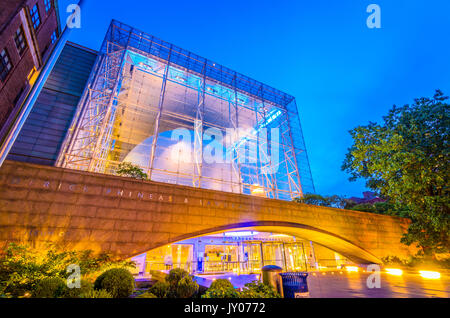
(144, 91)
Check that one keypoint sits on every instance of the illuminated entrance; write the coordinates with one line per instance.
(240, 252)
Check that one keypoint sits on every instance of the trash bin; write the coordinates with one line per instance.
(295, 285)
(271, 276)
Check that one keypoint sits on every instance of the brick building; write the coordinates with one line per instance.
(28, 30)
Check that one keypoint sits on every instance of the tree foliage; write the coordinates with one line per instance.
(340, 202)
(333, 201)
(386, 208)
(127, 169)
(406, 158)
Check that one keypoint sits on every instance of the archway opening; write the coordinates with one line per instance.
(245, 249)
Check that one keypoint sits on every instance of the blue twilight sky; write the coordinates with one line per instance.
(342, 73)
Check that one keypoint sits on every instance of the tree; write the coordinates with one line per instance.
(406, 159)
(333, 201)
(386, 208)
(127, 169)
(340, 202)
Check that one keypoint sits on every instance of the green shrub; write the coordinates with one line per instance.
(50, 287)
(394, 260)
(160, 289)
(119, 282)
(158, 276)
(417, 261)
(146, 295)
(221, 284)
(258, 290)
(221, 288)
(93, 293)
(22, 267)
(86, 287)
(186, 287)
(221, 293)
(181, 285)
(175, 275)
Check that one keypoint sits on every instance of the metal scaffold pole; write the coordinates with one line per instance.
(142, 89)
(30, 100)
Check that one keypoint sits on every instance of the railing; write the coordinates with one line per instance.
(247, 267)
(153, 266)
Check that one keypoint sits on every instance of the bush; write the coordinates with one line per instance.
(258, 290)
(221, 288)
(160, 289)
(175, 275)
(158, 276)
(50, 287)
(23, 267)
(119, 282)
(181, 285)
(394, 260)
(146, 295)
(221, 284)
(86, 287)
(416, 261)
(101, 293)
(186, 287)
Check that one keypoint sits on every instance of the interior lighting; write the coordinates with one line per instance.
(394, 271)
(430, 274)
(352, 269)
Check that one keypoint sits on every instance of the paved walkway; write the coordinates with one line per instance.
(342, 284)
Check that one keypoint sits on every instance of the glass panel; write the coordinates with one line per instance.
(220, 258)
(169, 257)
(252, 257)
(145, 89)
(273, 254)
(295, 258)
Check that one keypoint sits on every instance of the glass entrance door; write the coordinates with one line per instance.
(252, 257)
(273, 254)
(295, 257)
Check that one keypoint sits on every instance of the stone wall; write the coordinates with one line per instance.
(39, 204)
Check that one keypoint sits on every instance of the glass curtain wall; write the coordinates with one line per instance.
(144, 91)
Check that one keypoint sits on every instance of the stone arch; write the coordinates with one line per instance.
(330, 240)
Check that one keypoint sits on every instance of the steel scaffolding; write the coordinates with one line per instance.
(142, 89)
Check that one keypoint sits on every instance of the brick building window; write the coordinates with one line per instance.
(35, 18)
(5, 64)
(54, 37)
(48, 5)
(19, 38)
